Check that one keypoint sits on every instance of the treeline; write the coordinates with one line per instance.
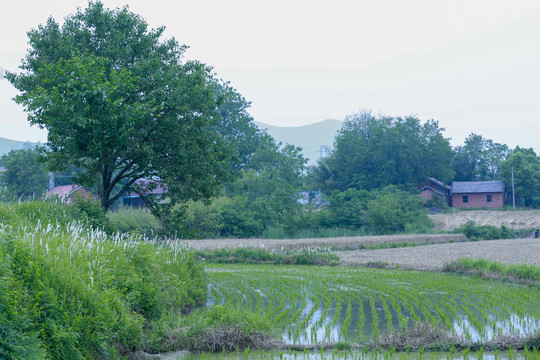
(367, 185)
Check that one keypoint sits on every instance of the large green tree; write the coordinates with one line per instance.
(25, 176)
(372, 152)
(119, 103)
(526, 166)
(478, 159)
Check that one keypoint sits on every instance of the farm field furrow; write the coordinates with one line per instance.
(318, 304)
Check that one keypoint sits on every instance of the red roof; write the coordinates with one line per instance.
(63, 190)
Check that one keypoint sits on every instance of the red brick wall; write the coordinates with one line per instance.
(427, 194)
(478, 200)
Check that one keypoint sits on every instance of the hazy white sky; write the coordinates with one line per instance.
(472, 65)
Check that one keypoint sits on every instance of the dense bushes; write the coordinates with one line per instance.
(489, 232)
(134, 221)
(68, 291)
(351, 212)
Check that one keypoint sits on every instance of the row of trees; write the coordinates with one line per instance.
(375, 151)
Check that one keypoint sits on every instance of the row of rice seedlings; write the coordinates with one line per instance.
(403, 298)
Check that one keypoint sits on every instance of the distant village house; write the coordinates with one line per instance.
(433, 189)
(478, 194)
(69, 193)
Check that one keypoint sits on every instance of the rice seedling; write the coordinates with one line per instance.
(313, 304)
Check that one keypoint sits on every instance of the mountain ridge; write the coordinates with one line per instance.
(6, 145)
(314, 139)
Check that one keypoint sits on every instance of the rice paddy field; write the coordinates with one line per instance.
(331, 304)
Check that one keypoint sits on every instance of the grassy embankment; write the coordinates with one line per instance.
(68, 291)
(493, 269)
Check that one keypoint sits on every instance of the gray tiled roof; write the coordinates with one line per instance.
(468, 187)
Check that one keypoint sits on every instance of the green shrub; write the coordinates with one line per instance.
(84, 292)
(89, 210)
(134, 221)
(488, 232)
(220, 328)
(203, 220)
(393, 209)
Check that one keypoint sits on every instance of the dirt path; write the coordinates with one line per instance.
(520, 219)
(341, 242)
(431, 257)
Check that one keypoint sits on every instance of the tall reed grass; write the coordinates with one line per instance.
(70, 291)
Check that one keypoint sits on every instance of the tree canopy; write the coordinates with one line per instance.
(120, 104)
(372, 152)
(479, 159)
(526, 165)
(25, 176)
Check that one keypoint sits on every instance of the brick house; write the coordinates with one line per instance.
(68, 193)
(433, 188)
(478, 194)
(132, 198)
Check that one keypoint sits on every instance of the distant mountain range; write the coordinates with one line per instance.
(313, 138)
(6, 145)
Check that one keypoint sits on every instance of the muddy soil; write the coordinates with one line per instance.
(520, 219)
(433, 257)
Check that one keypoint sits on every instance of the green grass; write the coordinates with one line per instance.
(246, 255)
(69, 291)
(485, 267)
(220, 328)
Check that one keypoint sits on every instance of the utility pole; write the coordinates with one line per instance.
(325, 149)
(513, 194)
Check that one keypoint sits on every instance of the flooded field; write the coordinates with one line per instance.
(328, 304)
(388, 355)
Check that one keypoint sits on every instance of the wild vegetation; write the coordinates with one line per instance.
(70, 291)
(490, 232)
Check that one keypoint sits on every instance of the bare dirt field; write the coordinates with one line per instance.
(341, 242)
(432, 257)
(520, 219)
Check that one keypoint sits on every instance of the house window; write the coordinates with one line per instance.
(465, 198)
(489, 198)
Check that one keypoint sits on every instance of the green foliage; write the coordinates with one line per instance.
(482, 266)
(245, 255)
(89, 210)
(437, 202)
(372, 152)
(384, 211)
(479, 159)
(118, 103)
(393, 209)
(526, 165)
(264, 193)
(349, 206)
(134, 221)
(24, 176)
(220, 328)
(74, 292)
(487, 232)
